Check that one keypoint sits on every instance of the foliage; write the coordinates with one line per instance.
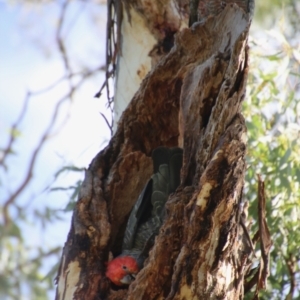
(272, 112)
(267, 12)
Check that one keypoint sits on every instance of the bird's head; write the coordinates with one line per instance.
(122, 270)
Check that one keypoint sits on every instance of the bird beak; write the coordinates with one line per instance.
(127, 279)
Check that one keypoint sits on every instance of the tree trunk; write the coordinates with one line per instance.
(191, 98)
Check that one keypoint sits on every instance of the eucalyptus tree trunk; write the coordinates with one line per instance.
(191, 97)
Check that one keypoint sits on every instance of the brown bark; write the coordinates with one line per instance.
(192, 98)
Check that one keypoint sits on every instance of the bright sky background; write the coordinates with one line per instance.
(29, 61)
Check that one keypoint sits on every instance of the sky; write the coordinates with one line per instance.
(29, 61)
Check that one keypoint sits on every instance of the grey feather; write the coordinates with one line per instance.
(147, 215)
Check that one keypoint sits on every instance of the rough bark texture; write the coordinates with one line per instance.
(192, 98)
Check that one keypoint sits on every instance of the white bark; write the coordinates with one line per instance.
(144, 27)
(134, 63)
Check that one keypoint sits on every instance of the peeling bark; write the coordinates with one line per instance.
(148, 28)
(192, 98)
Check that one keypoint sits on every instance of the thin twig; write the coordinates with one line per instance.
(107, 123)
(291, 262)
(14, 129)
(60, 40)
(45, 136)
